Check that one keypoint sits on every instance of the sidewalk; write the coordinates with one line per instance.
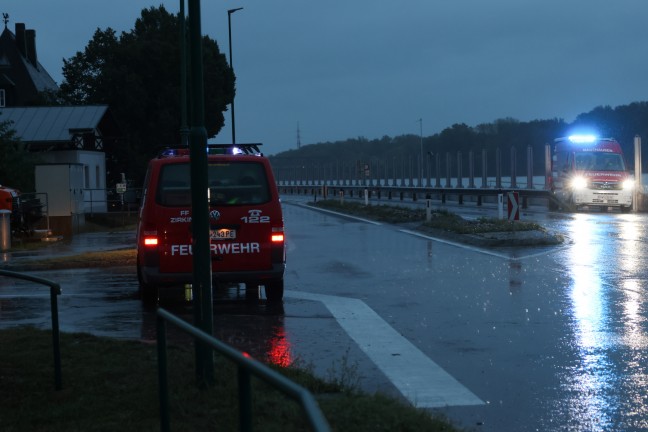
(78, 244)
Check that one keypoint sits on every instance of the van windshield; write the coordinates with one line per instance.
(599, 161)
(230, 183)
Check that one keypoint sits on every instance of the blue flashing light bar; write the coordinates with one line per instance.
(582, 139)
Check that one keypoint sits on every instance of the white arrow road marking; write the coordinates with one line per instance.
(424, 383)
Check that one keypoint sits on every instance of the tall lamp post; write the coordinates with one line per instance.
(229, 27)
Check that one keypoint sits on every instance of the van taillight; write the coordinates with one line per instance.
(277, 235)
(150, 238)
(150, 241)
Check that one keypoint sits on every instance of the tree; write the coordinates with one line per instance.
(16, 162)
(138, 75)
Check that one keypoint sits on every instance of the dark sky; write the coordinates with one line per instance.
(344, 69)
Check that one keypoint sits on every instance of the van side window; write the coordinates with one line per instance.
(174, 186)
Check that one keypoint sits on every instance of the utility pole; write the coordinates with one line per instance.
(298, 137)
(229, 27)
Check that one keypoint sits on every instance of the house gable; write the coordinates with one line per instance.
(22, 77)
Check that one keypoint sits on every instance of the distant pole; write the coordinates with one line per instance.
(229, 27)
(421, 156)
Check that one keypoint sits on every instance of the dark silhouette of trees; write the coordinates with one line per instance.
(622, 122)
(138, 75)
(16, 163)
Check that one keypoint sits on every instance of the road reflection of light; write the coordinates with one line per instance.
(630, 233)
(589, 380)
(606, 384)
(279, 348)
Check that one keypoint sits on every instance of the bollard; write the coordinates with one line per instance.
(341, 197)
(500, 206)
(428, 213)
(366, 197)
(5, 230)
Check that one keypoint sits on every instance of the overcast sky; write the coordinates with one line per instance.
(344, 69)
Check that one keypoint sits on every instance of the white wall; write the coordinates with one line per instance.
(94, 174)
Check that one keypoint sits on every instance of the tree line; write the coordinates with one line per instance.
(621, 122)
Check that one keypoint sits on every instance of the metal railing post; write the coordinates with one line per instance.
(448, 171)
(162, 375)
(513, 167)
(498, 168)
(245, 400)
(55, 290)
(56, 342)
(529, 167)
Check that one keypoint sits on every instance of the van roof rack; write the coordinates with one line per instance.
(247, 148)
(231, 149)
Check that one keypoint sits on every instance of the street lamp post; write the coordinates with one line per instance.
(229, 27)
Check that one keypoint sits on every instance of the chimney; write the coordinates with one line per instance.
(30, 36)
(20, 38)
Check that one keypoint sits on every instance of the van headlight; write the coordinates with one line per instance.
(578, 183)
(628, 184)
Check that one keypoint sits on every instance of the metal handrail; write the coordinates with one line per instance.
(55, 290)
(246, 366)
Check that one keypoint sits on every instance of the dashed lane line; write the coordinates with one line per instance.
(424, 383)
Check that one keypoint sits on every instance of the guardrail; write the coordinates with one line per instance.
(55, 290)
(246, 366)
(416, 193)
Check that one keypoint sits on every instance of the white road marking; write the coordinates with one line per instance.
(459, 245)
(476, 249)
(424, 383)
(344, 215)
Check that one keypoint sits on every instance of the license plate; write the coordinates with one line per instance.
(223, 234)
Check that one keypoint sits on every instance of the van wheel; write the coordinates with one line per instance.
(251, 291)
(626, 209)
(148, 293)
(274, 290)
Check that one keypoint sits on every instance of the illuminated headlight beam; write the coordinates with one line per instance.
(579, 183)
(628, 184)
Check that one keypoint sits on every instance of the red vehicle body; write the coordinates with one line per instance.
(590, 171)
(246, 224)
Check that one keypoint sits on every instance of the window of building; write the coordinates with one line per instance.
(86, 174)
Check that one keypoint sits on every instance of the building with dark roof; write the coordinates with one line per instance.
(22, 77)
(70, 140)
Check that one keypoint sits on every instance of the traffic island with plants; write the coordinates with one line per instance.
(483, 231)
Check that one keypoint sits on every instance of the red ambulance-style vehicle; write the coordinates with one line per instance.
(588, 171)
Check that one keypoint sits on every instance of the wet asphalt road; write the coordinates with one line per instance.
(549, 339)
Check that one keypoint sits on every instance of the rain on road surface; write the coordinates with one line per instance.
(549, 339)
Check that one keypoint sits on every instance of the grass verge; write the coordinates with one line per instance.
(99, 259)
(112, 385)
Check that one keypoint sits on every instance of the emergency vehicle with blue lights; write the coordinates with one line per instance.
(245, 217)
(588, 171)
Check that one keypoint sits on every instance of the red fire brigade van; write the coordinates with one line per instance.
(591, 171)
(246, 222)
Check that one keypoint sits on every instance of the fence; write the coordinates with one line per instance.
(55, 290)
(437, 171)
(246, 366)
